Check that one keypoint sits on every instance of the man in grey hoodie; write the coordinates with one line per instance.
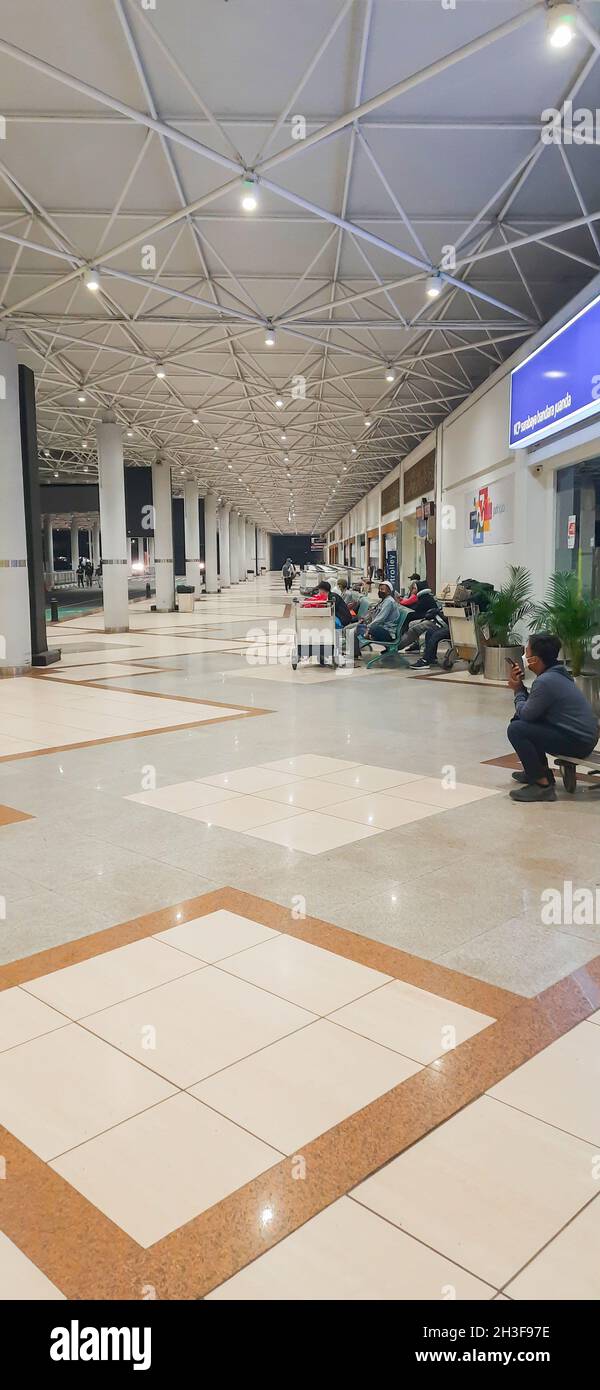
(554, 717)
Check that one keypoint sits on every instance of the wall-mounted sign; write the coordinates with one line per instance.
(571, 532)
(489, 514)
(559, 384)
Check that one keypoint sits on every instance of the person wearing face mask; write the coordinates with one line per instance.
(381, 623)
(553, 717)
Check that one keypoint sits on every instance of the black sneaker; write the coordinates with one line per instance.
(533, 792)
(524, 780)
(421, 664)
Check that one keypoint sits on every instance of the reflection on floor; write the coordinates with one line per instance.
(352, 1122)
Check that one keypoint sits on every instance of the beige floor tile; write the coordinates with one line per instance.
(595, 1018)
(311, 794)
(372, 779)
(242, 813)
(561, 1085)
(381, 812)
(183, 796)
(300, 1087)
(348, 1254)
(61, 1089)
(217, 935)
(313, 833)
(430, 791)
(112, 977)
(158, 1170)
(191, 1028)
(412, 1021)
(248, 779)
(310, 765)
(569, 1267)
(487, 1189)
(23, 1018)
(20, 1279)
(306, 975)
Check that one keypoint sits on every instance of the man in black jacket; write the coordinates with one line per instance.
(554, 717)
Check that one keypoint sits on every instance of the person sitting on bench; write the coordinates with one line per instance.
(382, 620)
(554, 717)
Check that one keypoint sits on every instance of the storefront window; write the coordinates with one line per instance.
(577, 545)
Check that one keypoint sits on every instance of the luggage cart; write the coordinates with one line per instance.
(315, 634)
(465, 636)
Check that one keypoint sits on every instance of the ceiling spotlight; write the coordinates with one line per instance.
(91, 280)
(433, 286)
(56, 475)
(353, 450)
(160, 370)
(84, 444)
(283, 437)
(286, 458)
(270, 337)
(195, 419)
(279, 403)
(215, 448)
(85, 468)
(46, 453)
(390, 374)
(82, 398)
(367, 421)
(130, 434)
(249, 198)
(561, 22)
(230, 466)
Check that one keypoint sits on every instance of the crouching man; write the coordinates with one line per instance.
(554, 717)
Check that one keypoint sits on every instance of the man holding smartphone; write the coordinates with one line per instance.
(553, 717)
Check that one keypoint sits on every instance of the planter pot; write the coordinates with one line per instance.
(495, 659)
(590, 687)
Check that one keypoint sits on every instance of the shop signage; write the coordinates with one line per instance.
(559, 384)
(391, 568)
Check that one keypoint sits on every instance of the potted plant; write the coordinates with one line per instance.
(574, 617)
(507, 607)
(185, 598)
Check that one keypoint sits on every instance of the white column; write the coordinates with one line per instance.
(224, 557)
(96, 544)
(74, 543)
(15, 630)
(49, 541)
(234, 547)
(163, 537)
(111, 480)
(193, 573)
(210, 542)
(89, 532)
(129, 554)
(250, 546)
(242, 535)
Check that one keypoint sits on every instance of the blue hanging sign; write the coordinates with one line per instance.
(559, 384)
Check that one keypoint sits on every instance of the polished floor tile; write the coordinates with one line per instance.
(518, 956)
(561, 1085)
(183, 796)
(23, 1018)
(303, 1085)
(20, 1279)
(411, 1021)
(372, 779)
(112, 977)
(248, 779)
(305, 974)
(310, 765)
(432, 791)
(242, 813)
(568, 1268)
(488, 1189)
(160, 1169)
(216, 936)
(63, 1088)
(311, 794)
(195, 1026)
(348, 1254)
(313, 833)
(381, 812)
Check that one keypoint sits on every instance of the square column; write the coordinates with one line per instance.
(224, 546)
(49, 546)
(210, 543)
(74, 544)
(15, 624)
(193, 573)
(163, 537)
(234, 548)
(242, 535)
(96, 544)
(111, 483)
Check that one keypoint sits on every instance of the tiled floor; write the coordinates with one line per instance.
(281, 1016)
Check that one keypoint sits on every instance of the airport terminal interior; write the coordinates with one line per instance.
(299, 902)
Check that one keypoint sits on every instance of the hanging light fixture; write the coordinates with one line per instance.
(91, 280)
(279, 403)
(249, 198)
(82, 398)
(368, 422)
(160, 371)
(561, 22)
(270, 336)
(390, 373)
(433, 286)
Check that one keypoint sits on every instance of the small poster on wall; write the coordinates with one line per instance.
(489, 514)
(571, 532)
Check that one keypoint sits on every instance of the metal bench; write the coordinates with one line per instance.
(568, 770)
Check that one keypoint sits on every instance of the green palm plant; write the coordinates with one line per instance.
(571, 615)
(507, 607)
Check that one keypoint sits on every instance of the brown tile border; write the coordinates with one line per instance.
(87, 1256)
(8, 815)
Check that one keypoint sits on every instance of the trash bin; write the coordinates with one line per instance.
(185, 598)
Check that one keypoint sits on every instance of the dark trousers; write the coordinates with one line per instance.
(288, 580)
(532, 742)
(433, 637)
